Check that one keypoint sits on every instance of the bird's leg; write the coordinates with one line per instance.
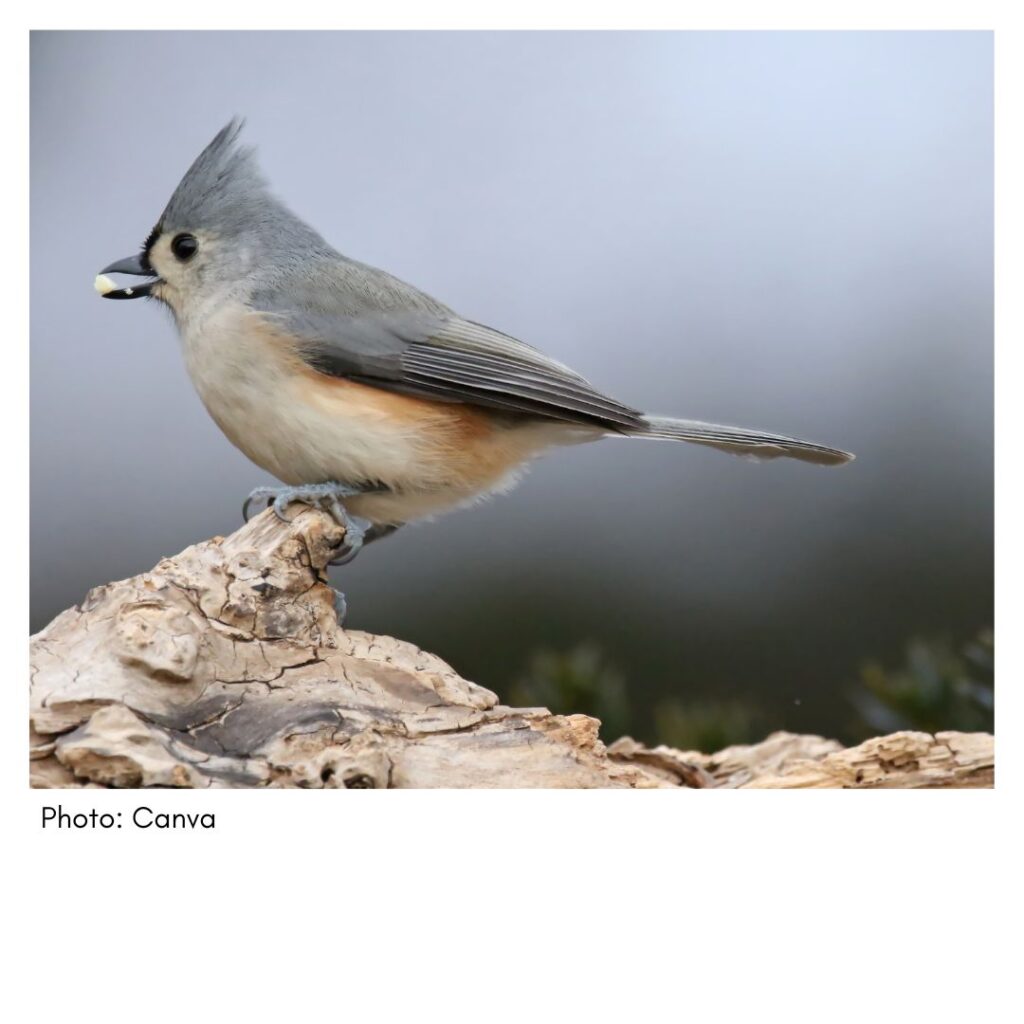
(327, 496)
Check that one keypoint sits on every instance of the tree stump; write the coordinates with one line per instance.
(225, 666)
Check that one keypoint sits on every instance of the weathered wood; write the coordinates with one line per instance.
(225, 667)
(901, 760)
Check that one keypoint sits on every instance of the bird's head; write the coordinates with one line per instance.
(221, 233)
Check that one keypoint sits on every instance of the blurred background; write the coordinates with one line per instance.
(790, 231)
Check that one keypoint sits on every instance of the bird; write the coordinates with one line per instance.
(364, 396)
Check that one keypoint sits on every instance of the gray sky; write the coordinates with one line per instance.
(786, 231)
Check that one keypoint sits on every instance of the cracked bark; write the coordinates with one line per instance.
(225, 667)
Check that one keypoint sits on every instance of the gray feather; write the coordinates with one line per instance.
(365, 325)
(223, 177)
(422, 348)
(441, 356)
(224, 191)
(740, 441)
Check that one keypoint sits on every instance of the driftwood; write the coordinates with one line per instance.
(225, 666)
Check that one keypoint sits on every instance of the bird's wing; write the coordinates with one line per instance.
(361, 324)
(440, 356)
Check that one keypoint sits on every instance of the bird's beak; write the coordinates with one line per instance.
(135, 265)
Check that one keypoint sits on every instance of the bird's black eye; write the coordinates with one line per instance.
(184, 247)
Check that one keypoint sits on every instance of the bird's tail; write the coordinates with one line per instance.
(739, 441)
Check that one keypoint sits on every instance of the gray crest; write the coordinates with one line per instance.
(223, 188)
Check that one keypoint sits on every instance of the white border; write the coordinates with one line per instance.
(805, 906)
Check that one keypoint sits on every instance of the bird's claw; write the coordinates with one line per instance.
(325, 496)
(258, 494)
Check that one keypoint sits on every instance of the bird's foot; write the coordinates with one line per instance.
(325, 496)
(371, 532)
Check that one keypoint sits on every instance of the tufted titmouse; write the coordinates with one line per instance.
(364, 395)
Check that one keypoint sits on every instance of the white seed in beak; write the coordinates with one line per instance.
(103, 284)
